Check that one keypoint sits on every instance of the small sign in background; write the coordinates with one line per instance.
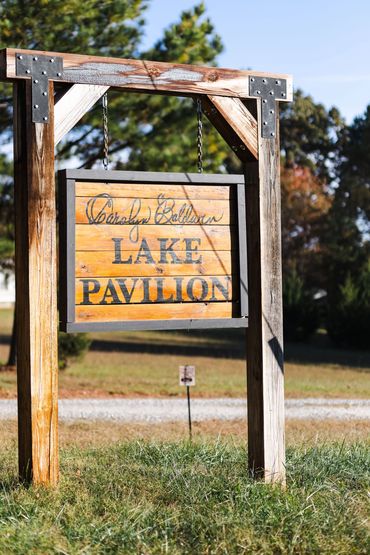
(187, 375)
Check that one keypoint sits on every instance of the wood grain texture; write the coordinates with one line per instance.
(143, 190)
(212, 238)
(90, 264)
(265, 372)
(73, 105)
(180, 311)
(170, 289)
(36, 289)
(158, 211)
(143, 75)
(239, 118)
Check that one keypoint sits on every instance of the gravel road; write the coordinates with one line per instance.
(165, 410)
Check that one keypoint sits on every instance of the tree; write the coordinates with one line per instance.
(140, 125)
(306, 201)
(311, 136)
(346, 236)
(349, 316)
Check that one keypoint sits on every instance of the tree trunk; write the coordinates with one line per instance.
(12, 359)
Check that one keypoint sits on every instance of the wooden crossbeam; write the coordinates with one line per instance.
(142, 75)
(73, 105)
(235, 123)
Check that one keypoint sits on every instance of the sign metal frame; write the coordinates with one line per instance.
(66, 182)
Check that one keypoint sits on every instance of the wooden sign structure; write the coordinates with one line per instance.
(243, 106)
(142, 250)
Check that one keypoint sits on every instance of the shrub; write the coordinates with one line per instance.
(301, 312)
(349, 314)
(72, 345)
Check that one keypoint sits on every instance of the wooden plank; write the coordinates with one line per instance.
(265, 372)
(143, 190)
(144, 75)
(101, 313)
(214, 238)
(90, 264)
(73, 105)
(236, 114)
(160, 211)
(226, 131)
(36, 290)
(182, 289)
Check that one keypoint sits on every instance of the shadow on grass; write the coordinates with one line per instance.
(231, 344)
(225, 343)
(11, 484)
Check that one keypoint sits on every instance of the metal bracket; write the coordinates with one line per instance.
(40, 69)
(269, 90)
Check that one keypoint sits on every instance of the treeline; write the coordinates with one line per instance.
(325, 162)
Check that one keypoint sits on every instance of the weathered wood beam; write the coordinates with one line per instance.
(142, 75)
(265, 371)
(36, 290)
(235, 123)
(73, 105)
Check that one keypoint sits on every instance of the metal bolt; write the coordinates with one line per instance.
(35, 58)
(258, 92)
(277, 82)
(282, 94)
(59, 74)
(35, 81)
(252, 79)
(271, 93)
(35, 105)
(51, 60)
(272, 134)
(43, 72)
(28, 71)
(271, 111)
(264, 81)
(264, 100)
(265, 123)
(20, 57)
(44, 93)
(45, 118)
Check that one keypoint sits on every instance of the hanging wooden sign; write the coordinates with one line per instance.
(142, 250)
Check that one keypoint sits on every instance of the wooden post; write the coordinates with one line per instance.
(36, 290)
(265, 372)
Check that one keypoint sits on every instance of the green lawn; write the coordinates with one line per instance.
(146, 363)
(148, 497)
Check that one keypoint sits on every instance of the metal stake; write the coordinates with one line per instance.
(189, 413)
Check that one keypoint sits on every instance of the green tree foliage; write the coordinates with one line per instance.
(6, 212)
(349, 316)
(301, 311)
(311, 135)
(71, 346)
(325, 165)
(347, 239)
(146, 131)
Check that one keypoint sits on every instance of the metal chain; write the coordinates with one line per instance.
(200, 135)
(105, 131)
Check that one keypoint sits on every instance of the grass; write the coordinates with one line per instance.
(146, 363)
(177, 498)
(84, 433)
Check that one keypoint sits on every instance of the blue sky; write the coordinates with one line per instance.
(324, 44)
